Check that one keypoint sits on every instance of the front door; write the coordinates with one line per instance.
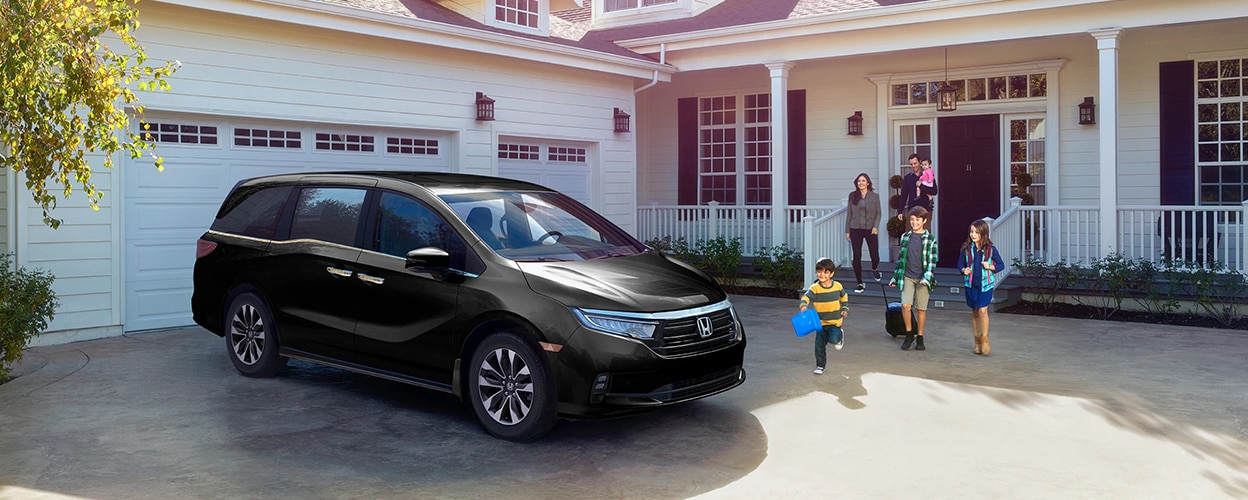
(968, 171)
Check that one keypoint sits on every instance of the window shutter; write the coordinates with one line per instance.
(687, 151)
(1178, 133)
(797, 147)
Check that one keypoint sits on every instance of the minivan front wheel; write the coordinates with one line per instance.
(251, 337)
(510, 390)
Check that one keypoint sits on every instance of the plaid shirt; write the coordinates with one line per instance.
(928, 262)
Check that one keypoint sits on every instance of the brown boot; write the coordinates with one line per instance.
(978, 344)
(983, 345)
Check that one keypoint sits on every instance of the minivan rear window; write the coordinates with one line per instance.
(327, 214)
(255, 214)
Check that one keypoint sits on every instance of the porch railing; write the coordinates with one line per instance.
(750, 224)
(1200, 235)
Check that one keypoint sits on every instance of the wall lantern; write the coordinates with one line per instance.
(485, 108)
(946, 95)
(1087, 112)
(621, 120)
(855, 123)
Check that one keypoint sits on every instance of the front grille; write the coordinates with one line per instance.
(698, 387)
(682, 336)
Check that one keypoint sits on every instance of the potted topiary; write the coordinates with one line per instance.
(896, 228)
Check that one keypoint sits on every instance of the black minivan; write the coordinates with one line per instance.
(514, 297)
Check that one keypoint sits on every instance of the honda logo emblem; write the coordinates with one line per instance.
(704, 327)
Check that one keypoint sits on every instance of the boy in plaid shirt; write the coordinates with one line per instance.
(915, 264)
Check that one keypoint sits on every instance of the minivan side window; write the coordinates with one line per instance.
(255, 214)
(327, 214)
(405, 224)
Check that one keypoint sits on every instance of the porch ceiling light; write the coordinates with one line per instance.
(485, 108)
(1087, 112)
(946, 95)
(621, 120)
(855, 123)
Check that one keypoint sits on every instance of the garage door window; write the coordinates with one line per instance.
(265, 138)
(411, 146)
(519, 151)
(565, 154)
(179, 133)
(344, 142)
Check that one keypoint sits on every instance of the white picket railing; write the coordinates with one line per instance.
(1197, 234)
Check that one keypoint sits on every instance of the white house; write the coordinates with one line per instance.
(742, 102)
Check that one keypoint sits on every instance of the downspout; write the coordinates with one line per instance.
(655, 79)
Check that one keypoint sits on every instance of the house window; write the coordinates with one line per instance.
(265, 138)
(517, 12)
(618, 5)
(411, 146)
(1222, 131)
(734, 155)
(178, 133)
(326, 141)
(1027, 155)
(519, 151)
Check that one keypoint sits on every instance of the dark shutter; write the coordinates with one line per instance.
(1178, 133)
(797, 147)
(687, 151)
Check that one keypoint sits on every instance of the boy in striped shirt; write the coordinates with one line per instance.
(829, 299)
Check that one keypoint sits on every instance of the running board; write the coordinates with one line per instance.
(361, 369)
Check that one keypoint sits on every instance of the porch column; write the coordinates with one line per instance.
(1107, 46)
(779, 150)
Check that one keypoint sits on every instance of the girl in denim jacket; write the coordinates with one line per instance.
(979, 262)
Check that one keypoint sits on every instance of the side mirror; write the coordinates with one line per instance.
(431, 260)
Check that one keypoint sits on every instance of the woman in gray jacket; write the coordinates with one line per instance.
(863, 223)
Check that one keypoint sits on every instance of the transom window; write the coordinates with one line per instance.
(1027, 138)
(181, 133)
(1222, 131)
(974, 89)
(518, 12)
(618, 5)
(734, 154)
(266, 138)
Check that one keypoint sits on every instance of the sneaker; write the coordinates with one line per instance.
(839, 342)
(861, 288)
(876, 274)
(818, 370)
(918, 343)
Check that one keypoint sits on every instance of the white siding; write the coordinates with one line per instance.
(4, 210)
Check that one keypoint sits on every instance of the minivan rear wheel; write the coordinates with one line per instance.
(251, 337)
(510, 390)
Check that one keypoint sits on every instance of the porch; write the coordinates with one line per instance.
(1201, 235)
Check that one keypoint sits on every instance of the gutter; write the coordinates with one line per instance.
(655, 79)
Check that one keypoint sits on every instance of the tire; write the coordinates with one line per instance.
(510, 389)
(251, 337)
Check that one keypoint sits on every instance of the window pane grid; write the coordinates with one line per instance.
(1026, 146)
(411, 146)
(999, 87)
(519, 152)
(734, 154)
(265, 138)
(178, 133)
(518, 12)
(1221, 131)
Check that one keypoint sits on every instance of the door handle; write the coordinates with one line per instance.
(339, 272)
(371, 279)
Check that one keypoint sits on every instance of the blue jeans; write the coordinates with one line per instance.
(826, 334)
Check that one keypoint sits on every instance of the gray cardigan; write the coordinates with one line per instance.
(865, 214)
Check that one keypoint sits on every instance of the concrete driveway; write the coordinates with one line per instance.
(1062, 409)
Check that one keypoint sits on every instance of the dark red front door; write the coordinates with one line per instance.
(968, 171)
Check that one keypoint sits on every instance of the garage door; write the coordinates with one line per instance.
(562, 167)
(166, 212)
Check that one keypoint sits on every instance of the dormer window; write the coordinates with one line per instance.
(520, 12)
(619, 5)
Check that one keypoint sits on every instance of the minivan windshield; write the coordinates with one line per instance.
(540, 226)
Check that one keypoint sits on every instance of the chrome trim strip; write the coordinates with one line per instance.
(665, 315)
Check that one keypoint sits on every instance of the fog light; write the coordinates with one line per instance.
(599, 391)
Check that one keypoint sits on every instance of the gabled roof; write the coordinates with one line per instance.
(573, 27)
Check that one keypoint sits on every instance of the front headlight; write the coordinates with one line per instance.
(616, 325)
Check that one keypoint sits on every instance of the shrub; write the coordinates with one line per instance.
(1114, 278)
(678, 248)
(781, 267)
(27, 303)
(1047, 280)
(722, 257)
